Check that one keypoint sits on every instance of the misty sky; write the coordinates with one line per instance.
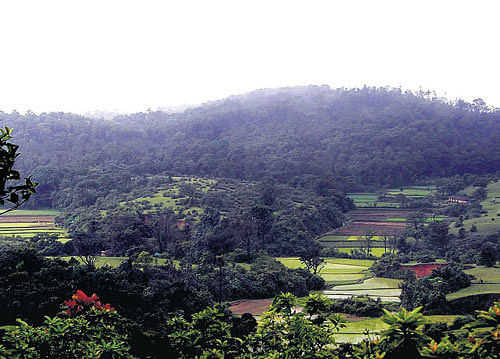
(132, 55)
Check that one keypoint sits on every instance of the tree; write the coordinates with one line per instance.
(367, 241)
(262, 217)
(488, 255)
(87, 248)
(310, 257)
(160, 225)
(17, 194)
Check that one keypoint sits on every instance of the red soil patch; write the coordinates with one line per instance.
(423, 269)
(252, 306)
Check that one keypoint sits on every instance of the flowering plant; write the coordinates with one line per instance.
(81, 302)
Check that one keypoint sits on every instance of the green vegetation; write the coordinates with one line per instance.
(175, 196)
(489, 222)
(487, 281)
(336, 270)
(384, 288)
(113, 262)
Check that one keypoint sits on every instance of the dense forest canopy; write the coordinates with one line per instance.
(350, 138)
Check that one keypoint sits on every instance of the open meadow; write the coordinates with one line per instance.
(486, 281)
(489, 222)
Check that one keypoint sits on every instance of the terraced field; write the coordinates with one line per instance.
(336, 270)
(379, 215)
(384, 288)
(29, 223)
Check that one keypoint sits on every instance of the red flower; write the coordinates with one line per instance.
(80, 302)
(82, 298)
(471, 339)
(70, 303)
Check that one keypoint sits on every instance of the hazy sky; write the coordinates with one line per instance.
(132, 55)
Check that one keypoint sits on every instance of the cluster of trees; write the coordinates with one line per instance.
(32, 286)
(95, 332)
(430, 292)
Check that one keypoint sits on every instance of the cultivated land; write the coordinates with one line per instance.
(379, 213)
(384, 288)
(26, 224)
(489, 222)
(336, 270)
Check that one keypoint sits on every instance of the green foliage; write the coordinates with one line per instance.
(284, 334)
(16, 194)
(206, 335)
(93, 335)
(404, 334)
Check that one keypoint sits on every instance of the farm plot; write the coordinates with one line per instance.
(384, 288)
(27, 224)
(377, 214)
(336, 270)
(376, 251)
(380, 228)
(362, 200)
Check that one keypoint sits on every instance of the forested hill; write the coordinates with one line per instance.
(348, 138)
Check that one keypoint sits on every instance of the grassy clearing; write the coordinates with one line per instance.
(488, 223)
(487, 281)
(168, 196)
(474, 289)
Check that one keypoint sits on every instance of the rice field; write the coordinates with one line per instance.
(336, 270)
(384, 288)
(29, 223)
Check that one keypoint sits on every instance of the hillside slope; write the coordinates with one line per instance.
(312, 136)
